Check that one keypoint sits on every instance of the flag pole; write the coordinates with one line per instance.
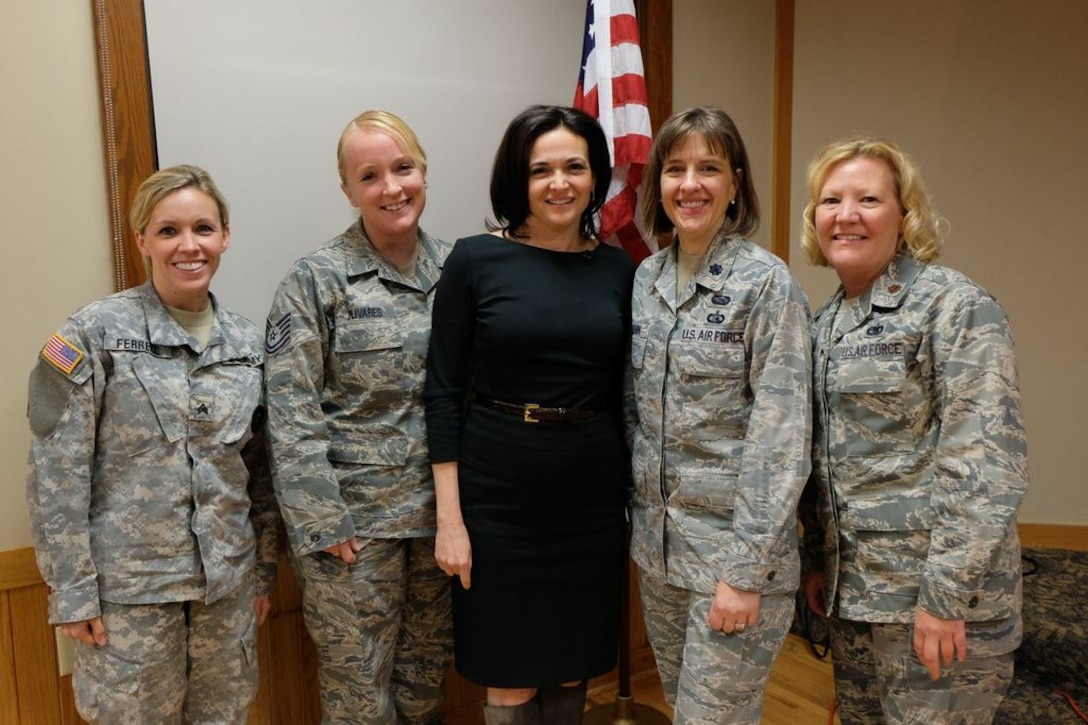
(625, 711)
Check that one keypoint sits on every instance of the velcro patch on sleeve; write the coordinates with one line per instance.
(61, 354)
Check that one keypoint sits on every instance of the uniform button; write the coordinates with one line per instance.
(315, 538)
(972, 602)
(770, 575)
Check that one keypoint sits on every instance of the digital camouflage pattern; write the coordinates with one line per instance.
(347, 340)
(720, 375)
(383, 631)
(148, 478)
(919, 461)
(171, 663)
(721, 378)
(879, 680)
(709, 676)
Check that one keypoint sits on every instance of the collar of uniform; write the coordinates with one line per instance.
(429, 261)
(720, 256)
(891, 287)
(368, 261)
(162, 328)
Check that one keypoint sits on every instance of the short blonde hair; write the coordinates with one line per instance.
(165, 182)
(391, 125)
(922, 234)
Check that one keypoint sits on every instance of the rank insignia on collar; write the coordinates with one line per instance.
(894, 288)
(716, 269)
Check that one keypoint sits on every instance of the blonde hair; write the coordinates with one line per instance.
(391, 125)
(165, 182)
(922, 234)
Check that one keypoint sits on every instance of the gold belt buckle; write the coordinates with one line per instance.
(529, 408)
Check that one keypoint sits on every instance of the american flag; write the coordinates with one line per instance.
(612, 88)
(62, 354)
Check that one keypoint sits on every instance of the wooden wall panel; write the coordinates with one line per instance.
(9, 693)
(35, 650)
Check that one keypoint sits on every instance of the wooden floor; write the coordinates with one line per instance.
(801, 691)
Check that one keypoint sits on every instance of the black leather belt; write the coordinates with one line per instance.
(533, 413)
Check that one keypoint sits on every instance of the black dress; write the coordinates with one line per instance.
(542, 502)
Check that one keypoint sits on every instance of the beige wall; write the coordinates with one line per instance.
(989, 97)
(52, 203)
(723, 55)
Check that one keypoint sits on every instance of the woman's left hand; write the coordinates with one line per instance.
(733, 610)
(937, 641)
(262, 606)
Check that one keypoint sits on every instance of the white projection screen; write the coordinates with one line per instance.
(258, 91)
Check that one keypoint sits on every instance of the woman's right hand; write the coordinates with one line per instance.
(90, 631)
(453, 552)
(815, 593)
(345, 551)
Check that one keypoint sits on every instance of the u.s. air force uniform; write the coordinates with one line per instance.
(919, 466)
(150, 505)
(721, 374)
(347, 340)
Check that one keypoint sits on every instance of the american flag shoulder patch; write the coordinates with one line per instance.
(278, 334)
(61, 354)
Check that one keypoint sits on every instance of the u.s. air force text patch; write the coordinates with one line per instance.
(278, 334)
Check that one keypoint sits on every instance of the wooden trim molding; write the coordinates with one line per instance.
(18, 568)
(1053, 536)
(782, 143)
(655, 34)
(128, 133)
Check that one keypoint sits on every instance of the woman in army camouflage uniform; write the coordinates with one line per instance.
(919, 455)
(149, 495)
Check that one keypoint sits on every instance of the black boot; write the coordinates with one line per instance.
(527, 713)
(562, 705)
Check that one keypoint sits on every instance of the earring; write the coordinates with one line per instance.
(733, 201)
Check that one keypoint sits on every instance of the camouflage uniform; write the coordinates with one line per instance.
(721, 376)
(919, 466)
(149, 494)
(347, 340)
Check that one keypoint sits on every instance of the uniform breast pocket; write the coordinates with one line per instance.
(714, 387)
(873, 399)
(238, 391)
(147, 403)
(371, 355)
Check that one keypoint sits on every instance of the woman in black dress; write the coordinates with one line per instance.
(524, 389)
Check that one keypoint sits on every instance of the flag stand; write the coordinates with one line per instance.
(625, 711)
